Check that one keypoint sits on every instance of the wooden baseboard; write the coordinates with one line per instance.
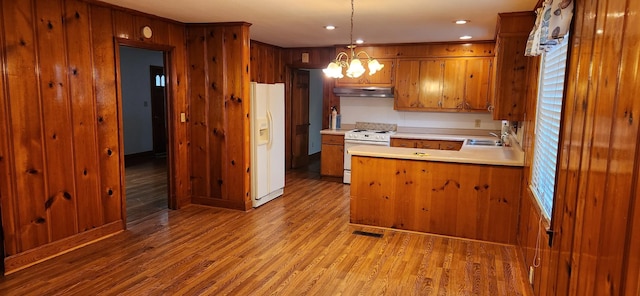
(218, 203)
(134, 158)
(364, 226)
(314, 157)
(34, 256)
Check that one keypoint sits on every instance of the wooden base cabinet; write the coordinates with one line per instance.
(332, 156)
(456, 199)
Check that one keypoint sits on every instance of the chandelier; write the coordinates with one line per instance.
(352, 62)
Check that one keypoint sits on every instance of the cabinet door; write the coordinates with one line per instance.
(450, 145)
(511, 78)
(453, 85)
(383, 78)
(427, 144)
(332, 160)
(407, 143)
(333, 139)
(431, 83)
(407, 89)
(418, 85)
(477, 84)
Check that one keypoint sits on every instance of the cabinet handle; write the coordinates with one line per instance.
(490, 108)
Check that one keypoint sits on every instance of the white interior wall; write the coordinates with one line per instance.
(315, 109)
(369, 109)
(136, 97)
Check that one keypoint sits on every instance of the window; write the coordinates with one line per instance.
(547, 131)
(160, 80)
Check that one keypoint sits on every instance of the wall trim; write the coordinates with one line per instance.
(34, 256)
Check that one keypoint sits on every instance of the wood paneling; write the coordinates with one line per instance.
(463, 200)
(23, 103)
(60, 193)
(61, 122)
(107, 113)
(267, 63)
(219, 59)
(595, 244)
(179, 158)
(83, 110)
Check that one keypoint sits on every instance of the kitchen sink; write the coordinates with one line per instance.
(477, 142)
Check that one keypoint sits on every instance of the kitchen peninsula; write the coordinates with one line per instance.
(471, 193)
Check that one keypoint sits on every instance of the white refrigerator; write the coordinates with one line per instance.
(267, 142)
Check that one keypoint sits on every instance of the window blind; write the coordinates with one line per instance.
(547, 130)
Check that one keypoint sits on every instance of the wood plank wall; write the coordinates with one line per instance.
(61, 156)
(219, 63)
(272, 64)
(596, 248)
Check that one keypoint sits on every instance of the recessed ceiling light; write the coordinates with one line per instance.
(359, 41)
(461, 22)
(330, 27)
(465, 37)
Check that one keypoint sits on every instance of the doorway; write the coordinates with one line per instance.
(300, 118)
(144, 119)
(307, 92)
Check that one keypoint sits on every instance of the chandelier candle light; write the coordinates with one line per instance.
(352, 63)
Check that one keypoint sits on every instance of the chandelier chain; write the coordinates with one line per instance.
(351, 32)
(353, 64)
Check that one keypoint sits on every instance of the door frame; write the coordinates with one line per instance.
(293, 128)
(169, 64)
(328, 99)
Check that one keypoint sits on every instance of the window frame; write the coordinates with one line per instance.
(535, 166)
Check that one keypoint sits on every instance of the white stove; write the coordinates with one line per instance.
(369, 135)
(362, 137)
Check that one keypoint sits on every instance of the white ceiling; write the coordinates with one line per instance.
(299, 23)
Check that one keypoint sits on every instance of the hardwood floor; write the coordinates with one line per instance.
(298, 244)
(146, 187)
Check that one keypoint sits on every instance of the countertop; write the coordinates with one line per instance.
(339, 132)
(490, 155)
(442, 134)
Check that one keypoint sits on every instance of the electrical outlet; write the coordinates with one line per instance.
(531, 275)
(478, 121)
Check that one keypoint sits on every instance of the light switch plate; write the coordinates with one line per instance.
(183, 117)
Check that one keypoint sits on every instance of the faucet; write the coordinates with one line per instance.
(502, 138)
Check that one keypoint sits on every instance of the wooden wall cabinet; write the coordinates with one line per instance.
(426, 144)
(451, 84)
(332, 156)
(511, 66)
(383, 78)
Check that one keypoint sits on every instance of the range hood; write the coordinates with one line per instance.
(378, 92)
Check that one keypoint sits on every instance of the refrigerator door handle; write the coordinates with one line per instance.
(270, 119)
